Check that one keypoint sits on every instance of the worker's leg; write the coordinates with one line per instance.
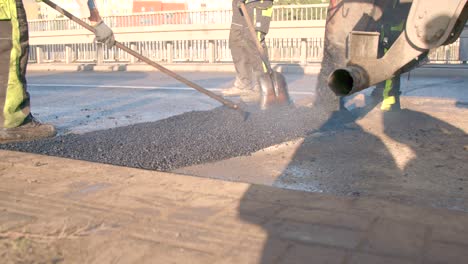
(391, 95)
(256, 68)
(14, 100)
(16, 121)
(240, 58)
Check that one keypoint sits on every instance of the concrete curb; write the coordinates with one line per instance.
(432, 70)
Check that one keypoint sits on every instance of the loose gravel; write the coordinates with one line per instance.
(183, 140)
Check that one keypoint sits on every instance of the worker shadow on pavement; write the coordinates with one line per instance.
(407, 157)
(332, 160)
(461, 104)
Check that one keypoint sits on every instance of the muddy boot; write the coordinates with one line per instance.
(251, 95)
(239, 87)
(30, 129)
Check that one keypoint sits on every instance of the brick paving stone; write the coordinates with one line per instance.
(130, 250)
(248, 216)
(201, 208)
(348, 220)
(450, 236)
(404, 239)
(313, 234)
(294, 198)
(154, 217)
(362, 258)
(247, 208)
(300, 254)
(253, 252)
(421, 215)
(446, 253)
(9, 220)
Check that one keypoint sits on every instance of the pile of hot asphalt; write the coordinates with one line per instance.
(183, 140)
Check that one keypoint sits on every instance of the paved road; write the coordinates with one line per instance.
(86, 101)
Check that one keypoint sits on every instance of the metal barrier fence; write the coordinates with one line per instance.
(301, 51)
(280, 50)
(216, 16)
(286, 50)
(446, 54)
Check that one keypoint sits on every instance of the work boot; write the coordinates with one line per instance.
(30, 129)
(251, 95)
(233, 91)
(237, 89)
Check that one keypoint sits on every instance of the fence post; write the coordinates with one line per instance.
(99, 53)
(303, 51)
(211, 51)
(133, 59)
(170, 51)
(39, 55)
(447, 54)
(68, 54)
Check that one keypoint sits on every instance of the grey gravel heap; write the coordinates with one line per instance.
(183, 140)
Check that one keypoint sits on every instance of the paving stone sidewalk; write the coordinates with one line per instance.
(67, 211)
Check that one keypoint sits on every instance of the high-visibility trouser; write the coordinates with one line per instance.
(242, 56)
(14, 50)
(391, 90)
(391, 94)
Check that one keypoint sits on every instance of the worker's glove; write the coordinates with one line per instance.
(104, 34)
(240, 3)
(385, 43)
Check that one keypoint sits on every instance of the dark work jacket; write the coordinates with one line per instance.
(258, 12)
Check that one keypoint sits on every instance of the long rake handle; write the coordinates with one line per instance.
(163, 69)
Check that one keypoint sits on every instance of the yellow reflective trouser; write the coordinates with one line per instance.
(388, 99)
(5, 13)
(14, 100)
(392, 86)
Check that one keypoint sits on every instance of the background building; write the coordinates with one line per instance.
(155, 6)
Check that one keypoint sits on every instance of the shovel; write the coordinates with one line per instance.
(272, 83)
(163, 69)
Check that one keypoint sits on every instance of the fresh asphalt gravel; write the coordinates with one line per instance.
(183, 140)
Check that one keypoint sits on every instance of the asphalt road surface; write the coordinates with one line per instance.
(124, 113)
(88, 101)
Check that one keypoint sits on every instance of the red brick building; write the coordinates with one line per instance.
(155, 6)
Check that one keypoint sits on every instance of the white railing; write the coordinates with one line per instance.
(280, 50)
(203, 17)
(195, 44)
(300, 12)
(298, 51)
(446, 54)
